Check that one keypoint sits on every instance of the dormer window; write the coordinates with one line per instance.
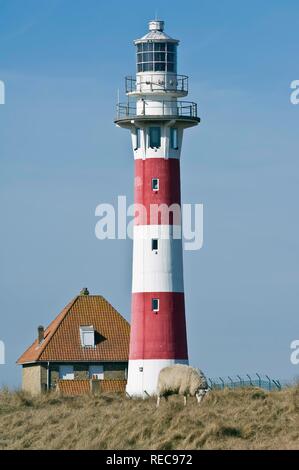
(87, 336)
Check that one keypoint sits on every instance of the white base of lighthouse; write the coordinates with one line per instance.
(143, 375)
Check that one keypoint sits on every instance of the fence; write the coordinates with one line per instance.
(257, 380)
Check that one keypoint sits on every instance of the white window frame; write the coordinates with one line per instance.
(85, 332)
(158, 184)
(66, 372)
(155, 299)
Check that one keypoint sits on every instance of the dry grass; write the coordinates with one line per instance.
(240, 419)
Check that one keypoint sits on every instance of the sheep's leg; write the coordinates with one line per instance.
(158, 401)
(185, 400)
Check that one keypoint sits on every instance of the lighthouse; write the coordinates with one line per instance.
(156, 116)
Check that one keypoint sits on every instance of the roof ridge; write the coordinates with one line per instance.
(116, 310)
(47, 339)
(67, 309)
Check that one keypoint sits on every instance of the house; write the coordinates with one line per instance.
(85, 348)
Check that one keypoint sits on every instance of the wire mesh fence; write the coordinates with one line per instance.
(256, 380)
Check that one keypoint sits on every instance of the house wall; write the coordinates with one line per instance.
(115, 370)
(112, 371)
(34, 378)
(81, 371)
(54, 375)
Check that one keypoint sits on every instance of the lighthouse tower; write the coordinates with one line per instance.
(156, 118)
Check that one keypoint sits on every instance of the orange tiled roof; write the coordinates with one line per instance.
(80, 387)
(62, 337)
(73, 387)
(113, 386)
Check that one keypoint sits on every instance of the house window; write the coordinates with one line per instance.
(66, 372)
(138, 138)
(155, 305)
(174, 143)
(96, 372)
(154, 244)
(155, 184)
(155, 137)
(87, 336)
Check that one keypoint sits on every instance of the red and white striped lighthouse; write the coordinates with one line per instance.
(156, 119)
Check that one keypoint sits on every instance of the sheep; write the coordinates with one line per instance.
(183, 380)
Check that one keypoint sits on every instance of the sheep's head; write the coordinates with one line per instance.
(201, 393)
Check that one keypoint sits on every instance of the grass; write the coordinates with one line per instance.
(227, 419)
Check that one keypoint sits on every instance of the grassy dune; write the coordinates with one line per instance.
(240, 419)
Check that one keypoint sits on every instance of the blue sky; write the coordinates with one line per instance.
(62, 62)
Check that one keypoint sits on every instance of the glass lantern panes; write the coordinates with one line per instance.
(156, 57)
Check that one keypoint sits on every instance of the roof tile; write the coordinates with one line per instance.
(81, 387)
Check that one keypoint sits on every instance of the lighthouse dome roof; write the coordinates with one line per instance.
(156, 33)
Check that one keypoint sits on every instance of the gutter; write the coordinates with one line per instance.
(48, 376)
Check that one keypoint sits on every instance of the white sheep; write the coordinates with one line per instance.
(183, 380)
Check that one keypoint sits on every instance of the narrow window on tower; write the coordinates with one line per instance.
(155, 184)
(155, 137)
(138, 138)
(155, 244)
(155, 305)
(174, 142)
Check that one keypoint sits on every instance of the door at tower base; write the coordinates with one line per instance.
(143, 375)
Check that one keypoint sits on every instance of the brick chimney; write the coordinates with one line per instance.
(40, 334)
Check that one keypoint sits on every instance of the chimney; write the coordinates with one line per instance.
(41, 334)
(84, 291)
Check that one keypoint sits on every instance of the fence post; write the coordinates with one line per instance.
(260, 380)
(241, 380)
(250, 380)
(222, 381)
(232, 382)
(278, 384)
(270, 385)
